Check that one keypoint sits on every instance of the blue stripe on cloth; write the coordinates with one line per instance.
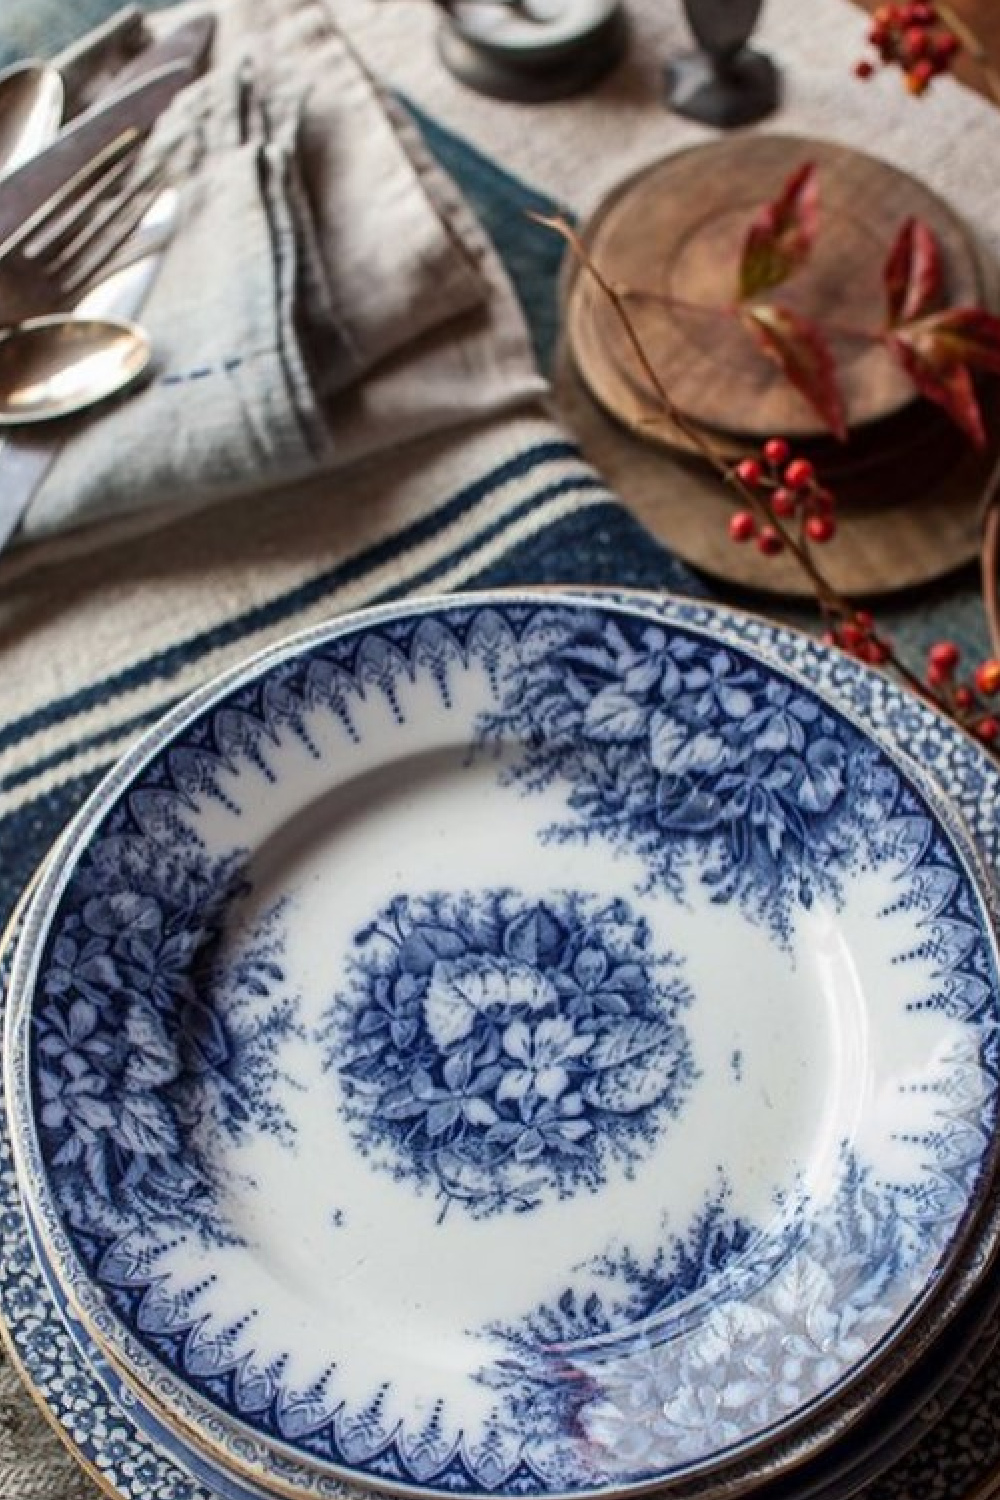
(68, 751)
(599, 544)
(167, 663)
(423, 581)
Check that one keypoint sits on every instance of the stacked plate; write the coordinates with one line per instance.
(524, 1044)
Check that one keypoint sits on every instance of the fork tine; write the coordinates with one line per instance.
(74, 267)
(141, 185)
(44, 240)
(122, 145)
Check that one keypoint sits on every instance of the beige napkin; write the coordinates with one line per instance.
(327, 293)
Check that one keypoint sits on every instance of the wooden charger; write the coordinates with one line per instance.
(908, 484)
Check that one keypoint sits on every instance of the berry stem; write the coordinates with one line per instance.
(830, 601)
(835, 609)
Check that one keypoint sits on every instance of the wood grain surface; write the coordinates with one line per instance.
(888, 545)
(672, 236)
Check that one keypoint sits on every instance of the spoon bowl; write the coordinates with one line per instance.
(32, 102)
(57, 365)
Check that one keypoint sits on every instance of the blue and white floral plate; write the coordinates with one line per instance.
(507, 1045)
(133, 1454)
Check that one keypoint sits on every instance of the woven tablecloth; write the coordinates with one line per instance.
(94, 649)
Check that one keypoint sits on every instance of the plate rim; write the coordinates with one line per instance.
(637, 603)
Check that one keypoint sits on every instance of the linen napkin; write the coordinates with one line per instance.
(327, 294)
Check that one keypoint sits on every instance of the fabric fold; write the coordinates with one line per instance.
(326, 295)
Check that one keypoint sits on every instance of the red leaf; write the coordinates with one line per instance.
(912, 273)
(781, 236)
(803, 354)
(950, 386)
(960, 335)
(938, 353)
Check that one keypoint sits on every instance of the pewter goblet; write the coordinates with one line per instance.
(726, 83)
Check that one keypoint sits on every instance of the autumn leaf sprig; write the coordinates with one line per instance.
(938, 347)
(780, 503)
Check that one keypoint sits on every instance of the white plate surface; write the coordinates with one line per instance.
(505, 1044)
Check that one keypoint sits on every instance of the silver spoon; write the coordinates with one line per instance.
(32, 101)
(57, 365)
(62, 363)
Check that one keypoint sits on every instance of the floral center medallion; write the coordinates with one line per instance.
(499, 1050)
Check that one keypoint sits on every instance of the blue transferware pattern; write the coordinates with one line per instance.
(132, 1062)
(670, 781)
(136, 1453)
(671, 746)
(499, 1048)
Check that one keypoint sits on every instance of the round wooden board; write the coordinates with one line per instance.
(881, 547)
(675, 231)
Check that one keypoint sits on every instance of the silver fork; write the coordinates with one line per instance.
(73, 238)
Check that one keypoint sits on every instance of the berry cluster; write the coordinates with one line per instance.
(785, 489)
(858, 637)
(966, 700)
(913, 38)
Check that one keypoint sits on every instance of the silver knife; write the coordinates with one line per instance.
(187, 43)
(26, 459)
(87, 65)
(137, 107)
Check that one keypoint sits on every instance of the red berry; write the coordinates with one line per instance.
(921, 15)
(987, 729)
(916, 43)
(851, 637)
(937, 676)
(987, 676)
(822, 502)
(776, 452)
(784, 503)
(876, 652)
(742, 526)
(799, 474)
(946, 44)
(865, 619)
(944, 656)
(820, 529)
(964, 697)
(863, 69)
(770, 542)
(919, 76)
(749, 471)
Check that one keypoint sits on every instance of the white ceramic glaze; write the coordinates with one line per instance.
(504, 1045)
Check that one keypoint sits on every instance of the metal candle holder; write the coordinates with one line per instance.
(726, 83)
(531, 50)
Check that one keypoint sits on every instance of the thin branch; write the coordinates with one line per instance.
(835, 608)
(833, 605)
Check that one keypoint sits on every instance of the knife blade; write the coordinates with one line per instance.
(136, 107)
(25, 459)
(87, 66)
(187, 43)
